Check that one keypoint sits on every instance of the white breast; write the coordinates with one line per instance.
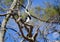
(27, 19)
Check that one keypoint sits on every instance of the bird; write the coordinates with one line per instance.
(27, 19)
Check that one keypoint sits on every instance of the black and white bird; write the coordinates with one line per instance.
(27, 19)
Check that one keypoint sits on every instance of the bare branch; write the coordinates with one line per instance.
(26, 10)
(8, 16)
(29, 4)
(3, 14)
(13, 4)
(3, 26)
(36, 33)
(20, 28)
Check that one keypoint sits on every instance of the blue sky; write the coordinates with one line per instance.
(12, 23)
(38, 3)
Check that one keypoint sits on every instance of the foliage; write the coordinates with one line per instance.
(43, 28)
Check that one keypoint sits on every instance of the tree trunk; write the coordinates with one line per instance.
(1, 35)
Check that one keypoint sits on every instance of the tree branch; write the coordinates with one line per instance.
(20, 28)
(3, 14)
(26, 10)
(3, 26)
(35, 35)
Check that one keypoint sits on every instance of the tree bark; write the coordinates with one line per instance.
(1, 35)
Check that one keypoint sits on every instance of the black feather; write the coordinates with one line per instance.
(28, 16)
